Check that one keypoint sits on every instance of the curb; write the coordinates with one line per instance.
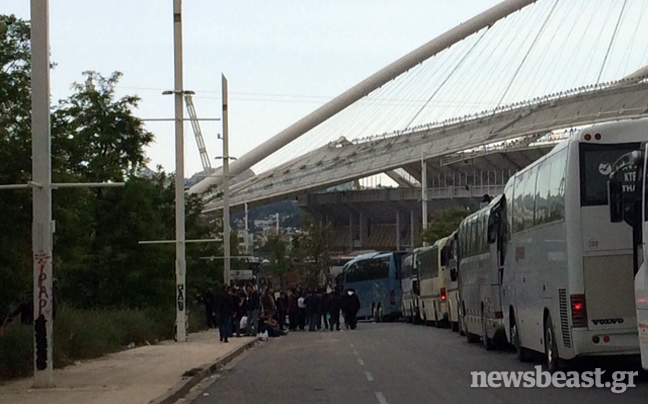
(180, 389)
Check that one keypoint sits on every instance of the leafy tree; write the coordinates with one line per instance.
(15, 159)
(443, 223)
(312, 249)
(279, 262)
(95, 138)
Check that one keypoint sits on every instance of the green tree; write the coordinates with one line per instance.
(443, 223)
(277, 250)
(15, 159)
(312, 249)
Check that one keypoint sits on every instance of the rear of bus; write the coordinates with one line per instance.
(452, 284)
(409, 287)
(440, 293)
(600, 293)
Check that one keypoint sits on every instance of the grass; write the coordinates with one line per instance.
(86, 334)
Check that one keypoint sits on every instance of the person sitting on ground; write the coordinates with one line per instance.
(269, 324)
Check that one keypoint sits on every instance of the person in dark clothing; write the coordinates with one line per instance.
(293, 310)
(325, 309)
(282, 308)
(253, 308)
(334, 308)
(312, 309)
(350, 307)
(227, 310)
(268, 302)
(269, 324)
(241, 311)
(209, 300)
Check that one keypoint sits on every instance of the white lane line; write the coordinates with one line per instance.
(355, 353)
(369, 376)
(361, 362)
(381, 398)
(351, 345)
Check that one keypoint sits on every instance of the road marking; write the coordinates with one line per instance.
(351, 345)
(361, 362)
(369, 376)
(381, 398)
(355, 352)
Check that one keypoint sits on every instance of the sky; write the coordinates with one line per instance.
(282, 58)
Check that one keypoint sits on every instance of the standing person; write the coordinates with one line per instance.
(350, 307)
(282, 308)
(241, 311)
(301, 304)
(268, 302)
(253, 307)
(209, 300)
(312, 309)
(326, 308)
(293, 310)
(334, 308)
(228, 307)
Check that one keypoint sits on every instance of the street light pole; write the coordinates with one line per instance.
(42, 196)
(181, 334)
(226, 180)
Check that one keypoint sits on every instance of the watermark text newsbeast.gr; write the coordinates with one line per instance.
(621, 380)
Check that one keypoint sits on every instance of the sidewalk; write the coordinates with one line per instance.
(136, 376)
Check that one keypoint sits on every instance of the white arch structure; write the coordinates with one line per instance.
(360, 90)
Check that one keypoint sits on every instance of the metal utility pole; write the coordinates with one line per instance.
(180, 267)
(277, 224)
(42, 226)
(226, 180)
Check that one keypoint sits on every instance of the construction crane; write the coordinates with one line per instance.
(195, 124)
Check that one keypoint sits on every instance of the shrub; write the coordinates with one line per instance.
(85, 334)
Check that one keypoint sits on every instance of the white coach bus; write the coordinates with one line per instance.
(480, 241)
(434, 266)
(628, 198)
(410, 287)
(568, 278)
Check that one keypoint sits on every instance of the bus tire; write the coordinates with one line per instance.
(379, 314)
(489, 343)
(552, 358)
(454, 325)
(523, 354)
(461, 324)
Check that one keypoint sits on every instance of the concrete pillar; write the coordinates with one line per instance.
(351, 235)
(412, 235)
(398, 230)
(362, 228)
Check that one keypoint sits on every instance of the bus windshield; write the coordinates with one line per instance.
(596, 161)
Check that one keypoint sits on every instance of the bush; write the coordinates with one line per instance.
(16, 351)
(85, 334)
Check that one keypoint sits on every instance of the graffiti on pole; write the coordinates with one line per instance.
(180, 297)
(44, 307)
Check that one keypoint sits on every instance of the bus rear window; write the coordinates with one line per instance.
(595, 166)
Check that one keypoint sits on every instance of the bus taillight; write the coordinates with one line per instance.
(392, 297)
(443, 294)
(579, 312)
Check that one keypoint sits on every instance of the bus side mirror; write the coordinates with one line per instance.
(615, 198)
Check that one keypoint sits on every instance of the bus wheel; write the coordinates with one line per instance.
(551, 347)
(379, 312)
(461, 324)
(522, 354)
(489, 344)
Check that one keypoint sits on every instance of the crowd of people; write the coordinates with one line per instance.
(242, 310)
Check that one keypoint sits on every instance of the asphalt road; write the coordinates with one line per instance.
(390, 363)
